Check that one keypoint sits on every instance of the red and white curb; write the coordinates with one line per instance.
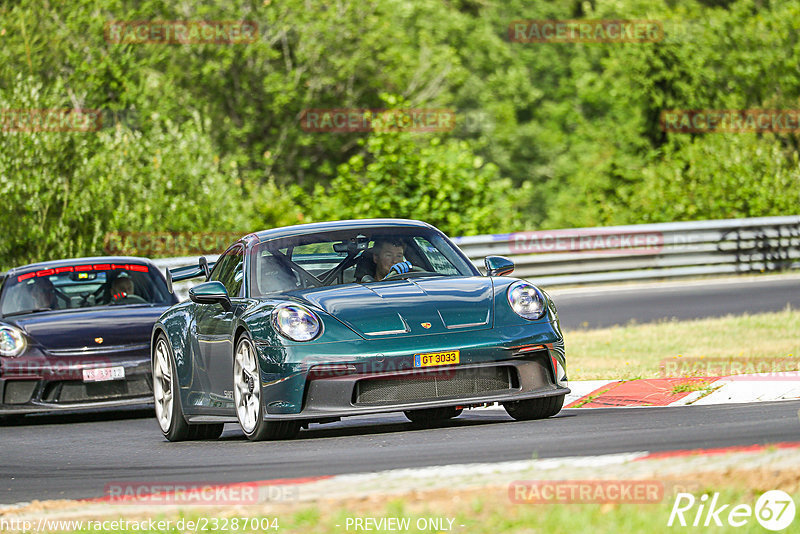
(682, 391)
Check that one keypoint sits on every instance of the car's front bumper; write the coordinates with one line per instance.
(377, 376)
(39, 382)
(340, 396)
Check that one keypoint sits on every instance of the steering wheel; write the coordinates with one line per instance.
(395, 274)
(128, 299)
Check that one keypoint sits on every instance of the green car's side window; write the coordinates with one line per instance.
(230, 271)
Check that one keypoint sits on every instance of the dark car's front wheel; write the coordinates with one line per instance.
(526, 410)
(11, 420)
(169, 411)
(247, 397)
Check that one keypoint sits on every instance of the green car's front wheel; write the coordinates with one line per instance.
(247, 397)
(526, 410)
(169, 411)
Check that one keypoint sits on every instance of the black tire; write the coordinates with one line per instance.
(177, 427)
(429, 416)
(261, 430)
(528, 410)
(275, 430)
(210, 432)
(11, 420)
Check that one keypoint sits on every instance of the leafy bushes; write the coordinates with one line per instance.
(546, 135)
(441, 182)
(64, 191)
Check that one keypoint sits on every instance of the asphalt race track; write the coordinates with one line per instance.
(49, 460)
(603, 307)
(74, 456)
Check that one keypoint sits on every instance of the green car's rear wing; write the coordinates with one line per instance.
(178, 274)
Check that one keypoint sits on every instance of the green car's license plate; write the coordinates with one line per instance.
(429, 359)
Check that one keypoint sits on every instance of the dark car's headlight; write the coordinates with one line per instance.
(526, 300)
(296, 322)
(12, 341)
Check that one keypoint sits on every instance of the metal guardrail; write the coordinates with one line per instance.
(633, 252)
(645, 251)
(636, 252)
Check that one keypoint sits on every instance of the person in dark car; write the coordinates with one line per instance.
(43, 294)
(122, 291)
(387, 256)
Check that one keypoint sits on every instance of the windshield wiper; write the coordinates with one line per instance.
(24, 312)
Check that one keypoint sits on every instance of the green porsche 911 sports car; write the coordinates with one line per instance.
(315, 322)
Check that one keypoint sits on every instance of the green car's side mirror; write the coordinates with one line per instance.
(211, 293)
(498, 266)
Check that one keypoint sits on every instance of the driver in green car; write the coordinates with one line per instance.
(387, 257)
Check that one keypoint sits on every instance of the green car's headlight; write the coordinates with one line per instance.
(296, 322)
(526, 300)
(12, 341)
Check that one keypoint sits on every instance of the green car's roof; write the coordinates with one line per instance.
(355, 224)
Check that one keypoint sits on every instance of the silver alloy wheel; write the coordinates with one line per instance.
(162, 385)
(246, 386)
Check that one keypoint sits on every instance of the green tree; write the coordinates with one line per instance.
(439, 181)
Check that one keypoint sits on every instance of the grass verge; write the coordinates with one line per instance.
(477, 511)
(640, 351)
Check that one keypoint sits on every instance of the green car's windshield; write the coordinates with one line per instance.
(362, 256)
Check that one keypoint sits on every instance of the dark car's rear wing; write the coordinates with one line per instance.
(178, 274)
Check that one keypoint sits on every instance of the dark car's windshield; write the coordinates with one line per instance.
(82, 286)
(353, 256)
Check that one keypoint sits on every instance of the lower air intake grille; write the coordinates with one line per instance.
(19, 391)
(436, 385)
(74, 391)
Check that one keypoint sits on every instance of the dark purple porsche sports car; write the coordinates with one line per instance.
(75, 333)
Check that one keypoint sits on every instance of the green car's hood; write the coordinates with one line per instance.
(410, 307)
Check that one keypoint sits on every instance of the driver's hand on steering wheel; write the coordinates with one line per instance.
(401, 267)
